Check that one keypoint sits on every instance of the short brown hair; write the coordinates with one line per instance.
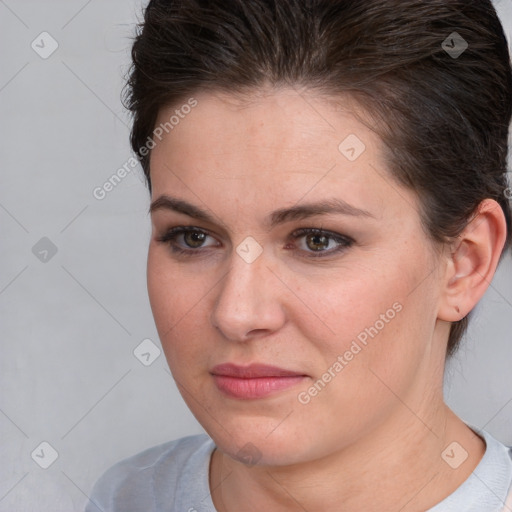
(445, 117)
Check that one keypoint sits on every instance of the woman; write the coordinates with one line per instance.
(329, 202)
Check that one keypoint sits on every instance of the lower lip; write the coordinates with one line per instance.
(259, 387)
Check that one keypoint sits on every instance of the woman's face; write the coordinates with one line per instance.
(347, 319)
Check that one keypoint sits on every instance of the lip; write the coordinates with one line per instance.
(252, 371)
(253, 381)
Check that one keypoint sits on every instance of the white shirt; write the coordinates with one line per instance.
(174, 477)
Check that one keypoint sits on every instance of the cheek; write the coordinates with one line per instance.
(160, 290)
(178, 301)
(363, 324)
(343, 306)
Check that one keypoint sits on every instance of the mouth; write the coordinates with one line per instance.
(253, 381)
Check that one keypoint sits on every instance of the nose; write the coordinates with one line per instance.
(248, 303)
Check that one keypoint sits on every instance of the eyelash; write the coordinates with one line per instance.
(170, 236)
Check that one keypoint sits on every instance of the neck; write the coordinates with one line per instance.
(398, 467)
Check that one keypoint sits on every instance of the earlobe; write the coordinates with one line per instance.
(472, 261)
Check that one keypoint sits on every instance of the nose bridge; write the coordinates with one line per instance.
(241, 279)
(246, 300)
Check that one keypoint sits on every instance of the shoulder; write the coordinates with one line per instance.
(152, 476)
(490, 484)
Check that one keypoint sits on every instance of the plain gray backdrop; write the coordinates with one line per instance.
(73, 297)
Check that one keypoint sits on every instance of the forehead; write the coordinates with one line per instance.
(293, 115)
(284, 126)
(272, 148)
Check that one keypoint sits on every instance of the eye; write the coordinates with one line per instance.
(316, 242)
(319, 243)
(192, 239)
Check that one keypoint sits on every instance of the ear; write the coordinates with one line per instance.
(472, 261)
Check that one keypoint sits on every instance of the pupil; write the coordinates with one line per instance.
(319, 242)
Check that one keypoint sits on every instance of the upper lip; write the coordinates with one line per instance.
(252, 371)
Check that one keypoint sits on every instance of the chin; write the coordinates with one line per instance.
(253, 441)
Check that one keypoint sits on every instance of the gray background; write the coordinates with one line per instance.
(71, 320)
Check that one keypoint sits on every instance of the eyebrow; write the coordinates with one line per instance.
(280, 216)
